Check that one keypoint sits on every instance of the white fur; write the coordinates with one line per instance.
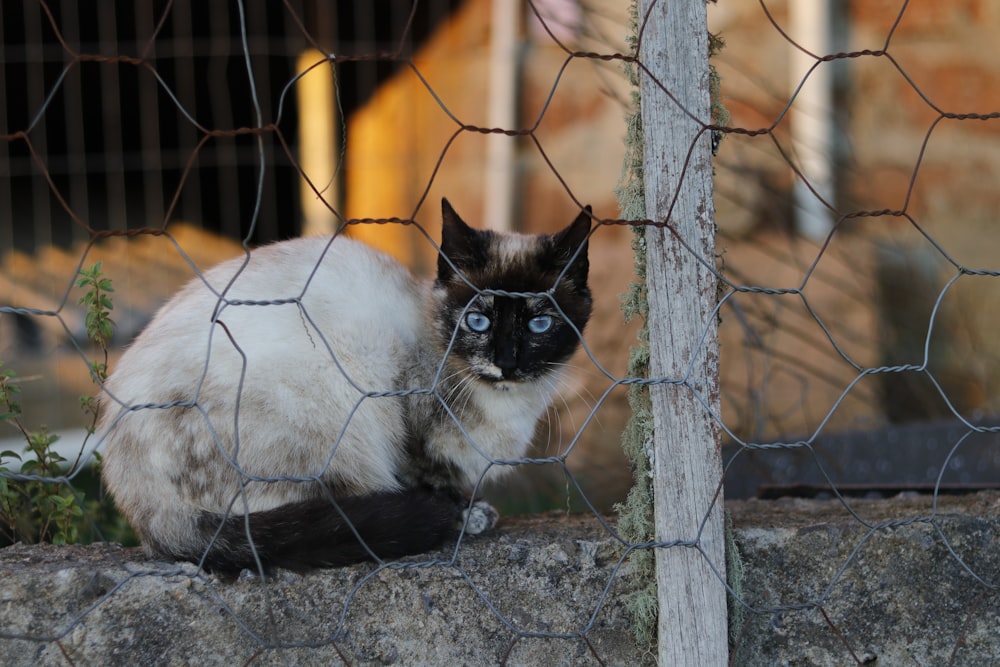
(513, 246)
(295, 401)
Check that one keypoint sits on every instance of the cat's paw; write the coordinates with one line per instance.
(479, 517)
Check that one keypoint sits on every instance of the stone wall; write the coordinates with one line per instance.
(901, 581)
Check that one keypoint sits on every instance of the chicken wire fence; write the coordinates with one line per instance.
(880, 318)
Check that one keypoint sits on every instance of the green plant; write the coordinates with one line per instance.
(100, 326)
(36, 502)
(44, 498)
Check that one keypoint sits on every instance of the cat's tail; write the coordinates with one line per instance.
(324, 532)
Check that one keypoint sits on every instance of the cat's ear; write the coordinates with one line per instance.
(464, 246)
(575, 238)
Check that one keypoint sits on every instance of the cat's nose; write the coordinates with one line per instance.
(507, 369)
(506, 361)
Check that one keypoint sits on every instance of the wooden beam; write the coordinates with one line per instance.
(682, 330)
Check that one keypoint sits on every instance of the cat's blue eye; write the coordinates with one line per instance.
(477, 322)
(540, 324)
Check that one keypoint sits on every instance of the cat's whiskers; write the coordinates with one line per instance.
(561, 389)
(551, 411)
(460, 392)
(446, 383)
(465, 395)
(448, 386)
(554, 386)
(579, 389)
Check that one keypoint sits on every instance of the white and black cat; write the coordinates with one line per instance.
(285, 406)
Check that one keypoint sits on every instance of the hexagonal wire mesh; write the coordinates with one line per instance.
(881, 319)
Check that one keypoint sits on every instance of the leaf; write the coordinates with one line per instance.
(42, 439)
(64, 503)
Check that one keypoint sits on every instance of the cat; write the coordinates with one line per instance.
(316, 404)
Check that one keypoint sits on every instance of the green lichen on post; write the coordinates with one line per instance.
(720, 115)
(635, 515)
(734, 577)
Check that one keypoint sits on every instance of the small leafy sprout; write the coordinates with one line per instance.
(100, 326)
(9, 407)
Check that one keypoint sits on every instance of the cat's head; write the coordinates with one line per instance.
(512, 306)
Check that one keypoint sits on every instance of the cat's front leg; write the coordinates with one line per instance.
(479, 517)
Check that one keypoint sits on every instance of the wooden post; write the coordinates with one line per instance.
(682, 294)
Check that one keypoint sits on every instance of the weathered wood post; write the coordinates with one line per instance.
(686, 464)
